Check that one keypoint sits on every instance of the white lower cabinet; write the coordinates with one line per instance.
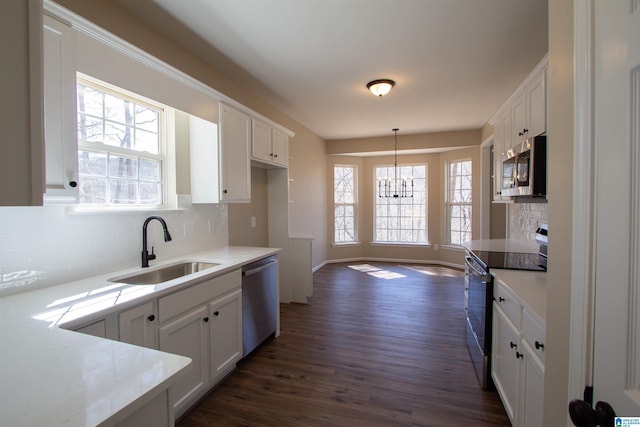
(187, 336)
(225, 331)
(505, 364)
(533, 388)
(138, 325)
(517, 359)
(203, 322)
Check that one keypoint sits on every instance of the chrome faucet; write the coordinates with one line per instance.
(146, 256)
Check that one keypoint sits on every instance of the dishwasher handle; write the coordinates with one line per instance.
(259, 269)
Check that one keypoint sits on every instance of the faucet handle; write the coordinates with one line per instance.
(151, 256)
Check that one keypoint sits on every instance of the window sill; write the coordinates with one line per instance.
(346, 244)
(453, 247)
(104, 210)
(399, 244)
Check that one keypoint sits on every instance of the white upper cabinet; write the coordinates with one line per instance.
(537, 104)
(235, 138)
(529, 107)
(261, 141)
(220, 165)
(519, 124)
(524, 115)
(61, 148)
(21, 159)
(269, 146)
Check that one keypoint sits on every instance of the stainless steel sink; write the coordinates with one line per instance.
(164, 274)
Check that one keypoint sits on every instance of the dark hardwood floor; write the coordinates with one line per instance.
(379, 346)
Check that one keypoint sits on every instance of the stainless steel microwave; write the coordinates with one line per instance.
(524, 169)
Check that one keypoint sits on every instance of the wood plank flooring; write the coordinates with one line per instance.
(380, 346)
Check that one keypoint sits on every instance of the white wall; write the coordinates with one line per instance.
(44, 246)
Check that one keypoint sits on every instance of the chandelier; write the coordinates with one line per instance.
(397, 186)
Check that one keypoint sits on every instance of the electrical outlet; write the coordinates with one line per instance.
(436, 247)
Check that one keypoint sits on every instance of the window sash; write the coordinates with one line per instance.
(401, 220)
(98, 185)
(345, 204)
(459, 209)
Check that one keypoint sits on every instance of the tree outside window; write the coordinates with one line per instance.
(401, 219)
(120, 158)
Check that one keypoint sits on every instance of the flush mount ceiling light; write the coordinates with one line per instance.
(381, 86)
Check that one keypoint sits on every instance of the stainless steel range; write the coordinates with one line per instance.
(482, 255)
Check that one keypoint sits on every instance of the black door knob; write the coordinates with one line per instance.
(605, 415)
(151, 318)
(73, 184)
(205, 320)
(216, 313)
(583, 415)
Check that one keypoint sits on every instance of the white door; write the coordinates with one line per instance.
(617, 202)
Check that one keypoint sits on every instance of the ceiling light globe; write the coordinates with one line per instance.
(380, 87)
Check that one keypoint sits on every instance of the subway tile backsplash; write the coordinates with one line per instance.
(49, 245)
(524, 219)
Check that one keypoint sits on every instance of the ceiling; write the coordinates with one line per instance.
(455, 62)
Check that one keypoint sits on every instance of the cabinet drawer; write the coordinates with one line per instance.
(508, 303)
(534, 334)
(183, 300)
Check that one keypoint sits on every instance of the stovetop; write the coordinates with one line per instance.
(511, 260)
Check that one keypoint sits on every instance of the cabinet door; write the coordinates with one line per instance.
(519, 129)
(280, 148)
(138, 326)
(235, 168)
(187, 336)
(537, 104)
(532, 390)
(261, 141)
(226, 333)
(505, 365)
(61, 147)
(205, 161)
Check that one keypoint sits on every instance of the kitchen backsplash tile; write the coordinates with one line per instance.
(48, 245)
(524, 219)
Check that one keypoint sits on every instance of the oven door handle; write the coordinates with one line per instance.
(469, 261)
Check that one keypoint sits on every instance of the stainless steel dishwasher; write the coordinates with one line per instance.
(259, 302)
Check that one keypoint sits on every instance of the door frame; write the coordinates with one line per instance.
(583, 235)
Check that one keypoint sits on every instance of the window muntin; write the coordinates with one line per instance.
(120, 147)
(402, 219)
(344, 200)
(458, 202)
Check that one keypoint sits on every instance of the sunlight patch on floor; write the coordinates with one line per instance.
(377, 272)
(434, 271)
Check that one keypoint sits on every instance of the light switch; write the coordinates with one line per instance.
(253, 221)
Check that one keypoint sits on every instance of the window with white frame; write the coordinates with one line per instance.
(345, 204)
(402, 219)
(458, 202)
(121, 153)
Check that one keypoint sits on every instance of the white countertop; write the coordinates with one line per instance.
(50, 376)
(529, 286)
(502, 245)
